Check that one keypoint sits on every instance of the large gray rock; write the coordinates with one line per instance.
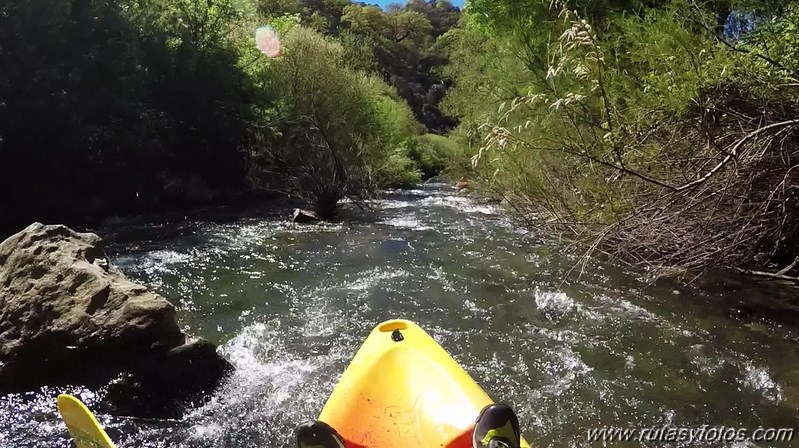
(68, 317)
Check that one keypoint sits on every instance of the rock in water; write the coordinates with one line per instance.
(304, 216)
(67, 316)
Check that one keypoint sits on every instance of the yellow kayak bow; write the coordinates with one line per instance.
(402, 389)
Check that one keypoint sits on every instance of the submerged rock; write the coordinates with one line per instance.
(67, 316)
(304, 216)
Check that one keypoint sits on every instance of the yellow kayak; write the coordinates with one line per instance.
(402, 389)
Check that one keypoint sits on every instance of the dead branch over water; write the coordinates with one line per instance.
(723, 193)
(741, 213)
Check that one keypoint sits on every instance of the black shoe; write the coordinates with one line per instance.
(496, 427)
(316, 434)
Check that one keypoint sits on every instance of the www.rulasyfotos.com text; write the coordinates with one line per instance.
(702, 434)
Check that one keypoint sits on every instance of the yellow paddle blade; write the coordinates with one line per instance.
(82, 425)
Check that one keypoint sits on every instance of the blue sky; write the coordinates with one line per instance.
(385, 3)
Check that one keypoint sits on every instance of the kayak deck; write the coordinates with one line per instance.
(402, 389)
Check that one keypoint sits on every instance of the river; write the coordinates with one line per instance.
(290, 305)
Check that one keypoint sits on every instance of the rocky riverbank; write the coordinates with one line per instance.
(67, 316)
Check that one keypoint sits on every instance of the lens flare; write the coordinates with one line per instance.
(267, 41)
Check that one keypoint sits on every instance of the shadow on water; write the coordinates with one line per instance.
(290, 305)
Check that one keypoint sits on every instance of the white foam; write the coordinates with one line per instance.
(390, 204)
(283, 386)
(567, 336)
(707, 363)
(564, 369)
(405, 222)
(462, 204)
(557, 302)
(758, 378)
(374, 277)
(635, 311)
(168, 257)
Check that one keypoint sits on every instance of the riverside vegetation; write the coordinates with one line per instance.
(124, 106)
(661, 132)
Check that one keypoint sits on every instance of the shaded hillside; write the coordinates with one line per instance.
(401, 40)
(119, 107)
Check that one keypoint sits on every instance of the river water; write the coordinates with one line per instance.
(289, 305)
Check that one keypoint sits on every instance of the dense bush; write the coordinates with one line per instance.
(661, 131)
(432, 153)
(399, 170)
(339, 127)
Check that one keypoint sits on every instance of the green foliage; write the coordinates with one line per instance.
(442, 14)
(777, 39)
(358, 52)
(588, 113)
(487, 72)
(402, 41)
(399, 171)
(327, 111)
(124, 106)
(432, 153)
(394, 27)
(340, 128)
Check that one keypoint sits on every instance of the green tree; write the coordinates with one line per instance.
(394, 27)
(336, 128)
(403, 44)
